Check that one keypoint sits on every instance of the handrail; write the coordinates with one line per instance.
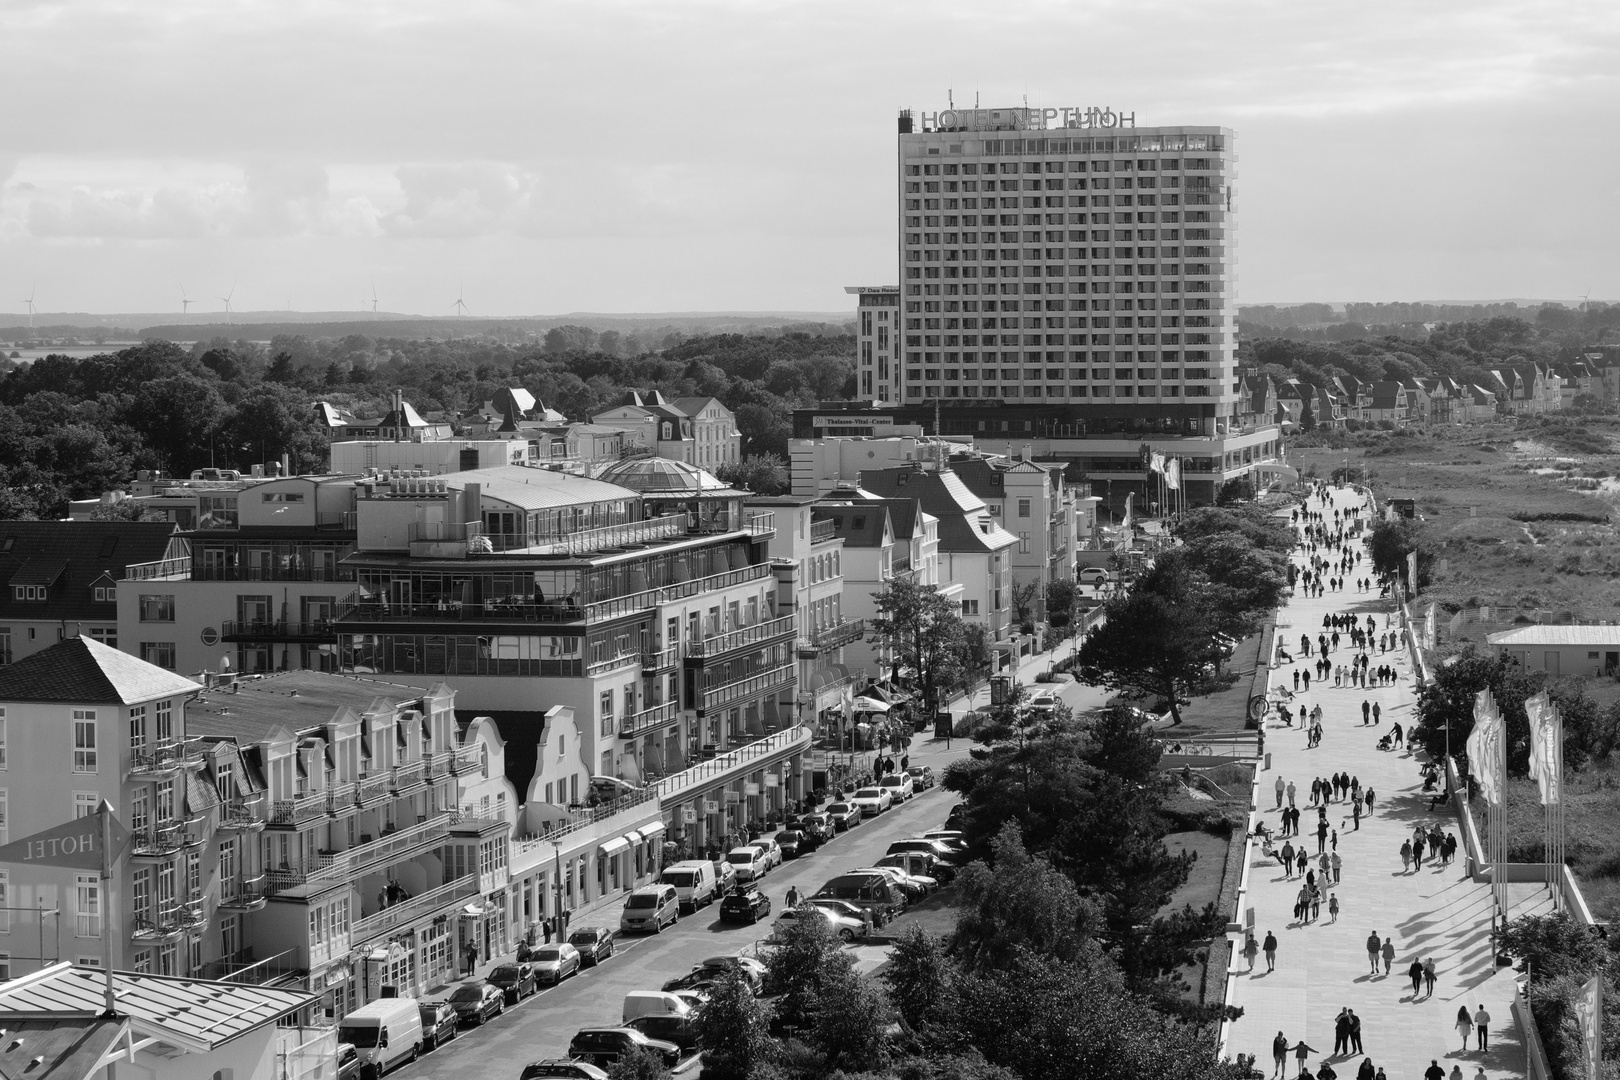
(389, 917)
(650, 717)
(670, 787)
(840, 633)
(822, 531)
(265, 629)
(716, 644)
(714, 697)
(299, 808)
(761, 524)
(584, 820)
(159, 569)
(582, 541)
(442, 531)
(252, 973)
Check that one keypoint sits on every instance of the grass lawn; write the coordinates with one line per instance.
(1203, 885)
(1591, 824)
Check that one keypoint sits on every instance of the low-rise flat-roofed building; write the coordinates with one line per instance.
(1592, 651)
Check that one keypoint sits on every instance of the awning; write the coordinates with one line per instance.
(613, 846)
(633, 837)
(866, 704)
(653, 831)
(477, 910)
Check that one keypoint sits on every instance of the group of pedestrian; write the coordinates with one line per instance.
(1441, 848)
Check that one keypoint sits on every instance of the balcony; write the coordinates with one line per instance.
(822, 531)
(437, 763)
(150, 930)
(762, 525)
(758, 634)
(465, 759)
(161, 570)
(660, 659)
(160, 761)
(387, 849)
(753, 686)
(312, 630)
(194, 833)
(646, 719)
(457, 891)
(339, 797)
(841, 633)
(307, 805)
(404, 779)
(372, 788)
(242, 815)
(158, 843)
(727, 766)
(584, 541)
(243, 894)
(243, 969)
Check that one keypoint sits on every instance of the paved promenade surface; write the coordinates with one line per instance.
(1434, 912)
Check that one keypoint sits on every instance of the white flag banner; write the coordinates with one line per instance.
(1483, 742)
(1544, 734)
(1172, 474)
(1157, 462)
(1589, 1016)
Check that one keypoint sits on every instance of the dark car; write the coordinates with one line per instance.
(348, 1062)
(843, 815)
(517, 981)
(942, 851)
(478, 1002)
(922, 777)
(595, 943)
(747, 906)
(957, 818)
(680, 1030)
(563, 1068)
(604, 1046)
(795, 842)
(439, 1021)
(818, 825)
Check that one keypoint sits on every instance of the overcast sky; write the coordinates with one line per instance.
(680, 156)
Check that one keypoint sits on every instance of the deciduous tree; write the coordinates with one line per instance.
(925, 632)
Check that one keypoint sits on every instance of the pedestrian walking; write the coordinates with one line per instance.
(1288, 861)
(1269, 947)
(1281, 787)
(1434, 1071)
(1482, 1022)
(1369, 799)
(1456, 1073)
(1366, 1070)
(1301, 1052)
(1374, 942)
(1389, 954)
(1366, 711)
(1321, 837)
(1406, 856)
(1417, 853)
(1296, 679)
(1415, 973)
(1316, 902)
(1290, 793)
(792, 897)
(1279, 1053)
(1428, 977)
(1376, 711)
(1301, 859)
(472, 957)
(1333, 908)
(1355, 812)
(1397, 736)
(1251, 950)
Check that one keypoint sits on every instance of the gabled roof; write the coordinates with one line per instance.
(71, 556)
(1554, 635)
(857, 524)
(405, 416)
(81, 671)
(194, 1015)
(691, 406)
(523, 731)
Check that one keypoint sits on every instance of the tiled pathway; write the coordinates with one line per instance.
(1322, 966)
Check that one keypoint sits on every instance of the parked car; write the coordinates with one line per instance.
(680, 1030)
(1093, 575)
(695, 881)
(914, 886)
(562, 1068)
(844, 815)
(921, 864)
(819, 825)
(770, 849)
(871, 891)
(954, 838)
(725, 879)
(840, 907)
(957, 818)
(554, 963)
(749, 862)
(931, 847)
(348, 1062)
(595, 943)
(604, 1046)
(748, 906)
(922, 777)
(1045, 703)
(847, 928)
(898, 785)
(872, 801)
(439, 1022)
(477, 1002)
(795, 843)
(517, 981)
(649, 909)
(709, 971)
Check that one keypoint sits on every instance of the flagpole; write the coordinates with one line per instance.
(104, 822)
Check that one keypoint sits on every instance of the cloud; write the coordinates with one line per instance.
(473, 199)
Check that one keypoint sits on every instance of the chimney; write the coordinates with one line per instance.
(1026, 452)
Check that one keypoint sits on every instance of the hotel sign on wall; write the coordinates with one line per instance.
(1027, 119)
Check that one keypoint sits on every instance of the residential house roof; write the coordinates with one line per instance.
(292, 700)
(944, 495)
(82, 671)
(69, 557)
(1554, 636)
(541, 489)
(523, 731)
(857, 524)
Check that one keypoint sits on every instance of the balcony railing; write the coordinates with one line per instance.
(294, 571)
(719, 644)
(462, 888)
(162, 569)
(278, 630)
(842, 633)
(305, 806)
(242, 968)
(822, 531)
(438, 763)
(442, 531)
(761, 524)
(240, 893)
(584, 541)
(465, 759)
(372, 788)
(407, 778)
(678, 784)
(339, 796)
(242, 814)
(660, 659)
(352, 862)
(720, 696)
(158, 842)
(650, 717)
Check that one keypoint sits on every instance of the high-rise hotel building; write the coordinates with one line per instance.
(1063, 275)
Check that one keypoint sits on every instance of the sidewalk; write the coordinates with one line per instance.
(1432, 913)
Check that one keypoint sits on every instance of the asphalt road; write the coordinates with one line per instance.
(542, 1025)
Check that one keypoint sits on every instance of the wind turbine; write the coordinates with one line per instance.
(227, 299)
(32, 288)
(185, 304)
(373, 298)
(461, 308)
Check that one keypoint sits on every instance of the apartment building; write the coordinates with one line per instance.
(434, 456)
(697, 430)
(644, 601)
(400, 423)
(252, 592)
(1050, 518)
(346, 860)
(61, 578)
(82, 722)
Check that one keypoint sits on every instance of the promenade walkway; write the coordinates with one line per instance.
(1434, 912)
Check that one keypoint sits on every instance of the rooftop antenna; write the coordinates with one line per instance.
(227, 299)
(950, 103)
(975, 99)
(185, 303)
(461, 308)
(32, 288)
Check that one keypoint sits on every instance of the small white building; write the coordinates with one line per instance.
(1591, 651)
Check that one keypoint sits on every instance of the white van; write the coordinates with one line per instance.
(639, 1003)
(386, 1032)
(695, 883)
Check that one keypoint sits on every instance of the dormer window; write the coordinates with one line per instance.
(669, 430)
(106, 594)
(29, 592)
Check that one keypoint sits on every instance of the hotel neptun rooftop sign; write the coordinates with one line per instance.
(1028, 119)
